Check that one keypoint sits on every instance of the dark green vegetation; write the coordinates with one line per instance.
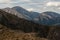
(15, 28)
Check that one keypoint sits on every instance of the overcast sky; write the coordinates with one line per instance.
(33, 5)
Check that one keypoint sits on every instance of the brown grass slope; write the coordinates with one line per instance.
(8, 34)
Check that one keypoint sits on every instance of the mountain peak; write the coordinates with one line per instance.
(22, 10)
(17, 7)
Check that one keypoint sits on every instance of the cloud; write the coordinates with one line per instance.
(56, 4)
(25, 0)
(5, 1)
(13, 1)
(59, 8)
(21, 1)
(30, 9)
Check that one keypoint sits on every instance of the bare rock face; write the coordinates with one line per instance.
(54, 33)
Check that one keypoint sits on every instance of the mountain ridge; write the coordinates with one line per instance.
(14, 28)
(46, 18)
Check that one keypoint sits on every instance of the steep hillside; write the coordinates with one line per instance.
(23, 11)
(9, 34)
(14, 12)
(15, 28)
(49, 18)
(46, 18)
(15, 23)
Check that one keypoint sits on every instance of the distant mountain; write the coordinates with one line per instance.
(14, 12)
(46, 18)
(23, 11)
(49, 18)
(15, 23)
(15, 28)
(34, 14)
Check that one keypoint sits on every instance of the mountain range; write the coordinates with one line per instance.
(14, 27)
(15, 23)
(46, 18)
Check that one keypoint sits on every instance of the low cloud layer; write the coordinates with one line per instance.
(30, 9)
(13, 1)
(56, 4)
(5, 1)
(33, 5)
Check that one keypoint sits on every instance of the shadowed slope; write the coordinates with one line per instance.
(15, 23)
